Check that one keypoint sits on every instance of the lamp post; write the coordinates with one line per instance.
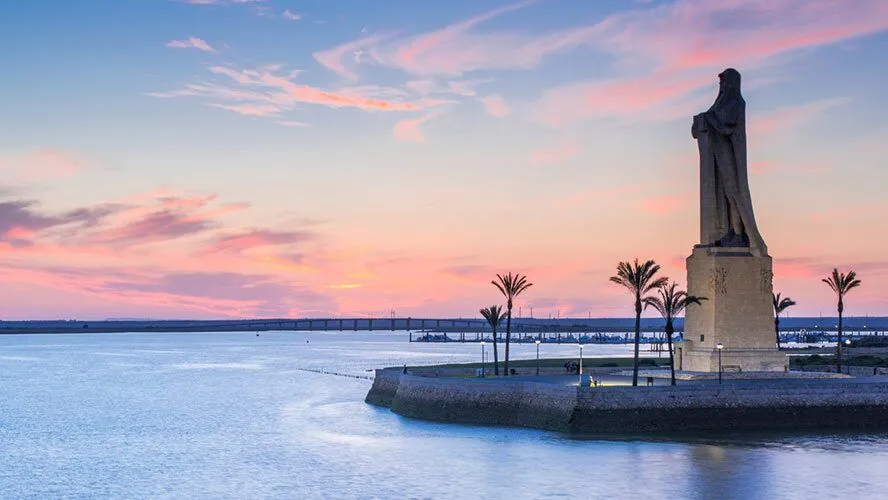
(538, 356)
(580, 375)
(483, 365)
(848, 354)
(719, 347)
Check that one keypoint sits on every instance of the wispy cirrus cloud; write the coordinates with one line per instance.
(561, 152)
(251, 109)
(684, 43)
(292, 16)
(220, 2)
(791, 116)
(41, 165)
(191, 43)
(258, 238)
(409, 129)
(269, 91)
(495, 105)
(677, 45)
(293, 123)
(339, 59)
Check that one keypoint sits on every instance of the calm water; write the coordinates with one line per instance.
(233, 415)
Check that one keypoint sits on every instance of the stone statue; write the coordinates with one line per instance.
(726, 217)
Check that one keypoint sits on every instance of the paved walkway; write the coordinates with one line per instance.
(613, 380)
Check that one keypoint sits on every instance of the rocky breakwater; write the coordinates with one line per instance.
(801, 404)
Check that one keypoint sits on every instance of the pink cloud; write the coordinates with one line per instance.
(40, 165)
(791, 116)
(332, 59)
(291, 123)
(560, 153)
(191, 43)
(251, 109)
(665, 204)
(269, 91)
(683, 42)
(409, 129)
(686, 42)
(221, 2)
(259, 238)
(630, 98)
(494, 105)
(676, 37)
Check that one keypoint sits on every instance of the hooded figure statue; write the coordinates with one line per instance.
(726, 217)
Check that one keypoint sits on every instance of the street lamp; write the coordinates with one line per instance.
(482, 359)
(538, 356)
(581, 366)
(719, 347)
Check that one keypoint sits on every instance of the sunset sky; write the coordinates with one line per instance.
(235, 158)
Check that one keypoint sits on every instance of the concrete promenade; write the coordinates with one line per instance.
(557, 404)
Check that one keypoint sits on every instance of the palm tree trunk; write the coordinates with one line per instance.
(508, 340)
(637, 339)
(777, 330)
(839, 347)
(669, 330)
(495, 356)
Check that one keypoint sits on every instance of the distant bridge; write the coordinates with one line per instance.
(529, 326)
(442, 325)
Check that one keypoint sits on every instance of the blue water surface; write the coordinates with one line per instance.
(233, 415)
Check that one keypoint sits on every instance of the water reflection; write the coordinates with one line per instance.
(235, 416)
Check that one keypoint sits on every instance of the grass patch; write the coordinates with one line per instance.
(558, 363)
(818, 360)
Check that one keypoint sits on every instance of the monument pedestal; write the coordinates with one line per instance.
(738, 313)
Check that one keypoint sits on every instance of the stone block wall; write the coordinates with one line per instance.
(802, 404)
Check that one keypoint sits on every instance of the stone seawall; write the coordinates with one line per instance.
(608, 410)
(385, 385)
(761, 406)
(478, 401)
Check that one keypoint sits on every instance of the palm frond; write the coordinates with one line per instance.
(494, 315)
(781, 303)
(671, 301)
(638, 278)
(842, 283)
(511, 285)
(656, 303)
(656, 284)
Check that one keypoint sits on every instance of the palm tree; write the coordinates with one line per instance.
(638, 279)
(510, 286)
(670, 304)
(494, 316)
(780, 304)
(841, 284)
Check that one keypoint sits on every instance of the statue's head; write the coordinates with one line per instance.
(729, 81)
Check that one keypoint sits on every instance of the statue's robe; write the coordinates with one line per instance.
(726, 214)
